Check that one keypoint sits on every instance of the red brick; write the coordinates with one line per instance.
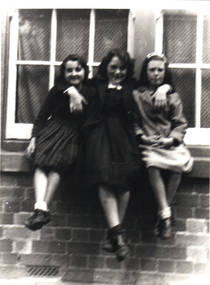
(184, 212)
(177, 252)
(166, 266)
(6, 218)
(35, 259)
(48, 246)
(79, 235)
(201, 268)
(112, 263)
(10, 258)
(60, 260)
(189, 200)
(11, 206)
(180, 225)
(196, 226)
(84, 221)
(149, 264)
(97, 235)
(202, 213)
(197, 254)
(95, 261)
(24, 246)
(27, 206)
(5, 245)
(63, 234)
(48, 233)
(145, 251)
(18, 232)
(202, 186)
(79, 275)
(59, 220)
(131, 264)
(184, 267)
(184, 238)
(112, 277)
(204, 200)
(79, 261)
(83, 248)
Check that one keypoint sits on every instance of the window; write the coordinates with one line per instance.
(39, 40)
(186, 43)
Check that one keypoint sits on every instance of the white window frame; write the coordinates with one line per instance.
(22, 130)
(197, 135)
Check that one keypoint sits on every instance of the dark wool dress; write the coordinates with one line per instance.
(110, 154)
(57, 132)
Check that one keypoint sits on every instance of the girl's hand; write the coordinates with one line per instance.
(160, 97)
(165, 142)
(76, 100)
(31, 147)
(150, 140)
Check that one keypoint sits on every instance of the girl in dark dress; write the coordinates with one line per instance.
(54, 143)
(110, 157)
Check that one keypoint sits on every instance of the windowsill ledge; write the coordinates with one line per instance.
(17, 162)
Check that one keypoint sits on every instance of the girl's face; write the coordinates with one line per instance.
(155, 72)
(116, 73)
(74, 73)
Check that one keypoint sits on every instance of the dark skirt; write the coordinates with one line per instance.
(111, 156)
(57, 145)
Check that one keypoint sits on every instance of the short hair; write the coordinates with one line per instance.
(143, 79)
(73, 57)
(124, 57)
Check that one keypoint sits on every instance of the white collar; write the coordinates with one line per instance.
(112, 86)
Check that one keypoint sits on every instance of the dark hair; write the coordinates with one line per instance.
(73, 57)
(143, 79)
(125, 58)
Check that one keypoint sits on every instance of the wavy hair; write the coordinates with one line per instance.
(124, 57)
(72, 57)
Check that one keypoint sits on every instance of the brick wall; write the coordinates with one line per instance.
(72, 241)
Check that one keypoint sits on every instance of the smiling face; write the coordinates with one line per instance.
(155, 73)
(74, 73)
(116, 73)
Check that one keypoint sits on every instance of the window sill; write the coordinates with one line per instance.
(17, 162)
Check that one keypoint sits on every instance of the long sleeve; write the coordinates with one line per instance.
(45, 112)
(178, 121)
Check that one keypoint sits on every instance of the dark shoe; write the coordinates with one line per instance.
(107, 245)
(165, 228)
(120, 247)
(157, 228)
(38, 220)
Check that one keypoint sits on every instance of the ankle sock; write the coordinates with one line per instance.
(116, 230)
(41, 205)
(165, 213)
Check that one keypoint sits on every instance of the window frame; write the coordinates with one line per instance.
(22, 131)
(196, 135)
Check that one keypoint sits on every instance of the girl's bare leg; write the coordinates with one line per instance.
(172, 185)
(158, 187)
(109, 204)
(52, 186)
(123, 199)
(40, 184)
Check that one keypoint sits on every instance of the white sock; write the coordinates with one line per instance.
(165, 213)
(41, 205)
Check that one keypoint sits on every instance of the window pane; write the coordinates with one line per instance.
(72, 33)
(32, 88)
(205, 102)
(179, 41)
(111, 31)
(184, 81)
(34, 35)
(206, 40)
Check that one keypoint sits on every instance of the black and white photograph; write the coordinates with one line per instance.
(105, 142)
